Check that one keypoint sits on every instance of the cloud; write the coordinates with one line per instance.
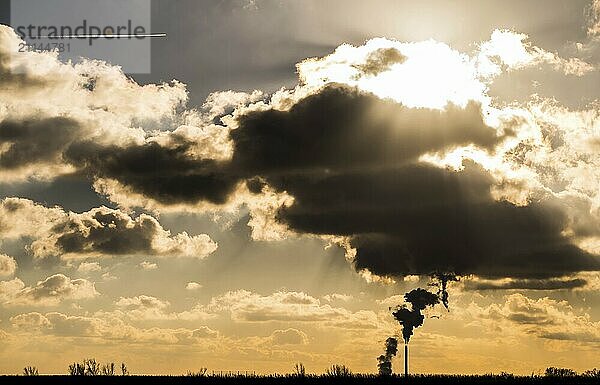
(403, 216)
(23, 218)
(9, 289)
(205, 332)
(100, 231)
(392, 301)
(289, 337)
(545, 318)
(220, 104)
(282, 306)
(426, 74)
(30, 321)
(110, 328)
(191, 286)
(143, 307)
(89, 267)
(430, 73)
(35, 141)
(8, 265)
(108, 277)
(338, 297)
(381, 60)
(355, 124)
(166, 174)
(49, 292)
(48, 105)
(525, 284)
(514, 51)
(148, 266)
(146, 307)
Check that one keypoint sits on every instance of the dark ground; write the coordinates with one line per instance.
(209, 380)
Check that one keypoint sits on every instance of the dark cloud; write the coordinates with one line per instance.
(535, 318)
(419, 219)
(565, 336)
(112, 232)
(108, 232)
(35, 140)
(100, 231)
(168, 175)
(528, 284)
(350, 160)
(341, 128)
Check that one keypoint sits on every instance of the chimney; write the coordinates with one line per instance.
(406, 360)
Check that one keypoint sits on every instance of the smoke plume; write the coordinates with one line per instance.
(441, 281)
(412, 318)
(385, 360)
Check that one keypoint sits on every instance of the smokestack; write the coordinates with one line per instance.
(412, 318)
(406, 360)
(419, 299)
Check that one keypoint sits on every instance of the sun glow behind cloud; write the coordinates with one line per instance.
(432, 75)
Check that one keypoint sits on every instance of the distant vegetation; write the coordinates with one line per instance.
(338, 371)
(91, 367)
(94, 372)
(199, 373)
(299, 370)
(30, 371)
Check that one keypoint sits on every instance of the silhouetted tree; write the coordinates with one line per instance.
(92, 367)
(338, 371)
(299, 370)
(559, 372)
(77, 369)
(30, 371)
(108, 369)
(124, 371)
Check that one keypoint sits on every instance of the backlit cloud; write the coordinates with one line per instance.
(545, 318)
(8, 265)
(99, 232)
(109, 329)
(49, 292)
(245, 306)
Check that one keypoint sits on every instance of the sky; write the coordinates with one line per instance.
(288, 170)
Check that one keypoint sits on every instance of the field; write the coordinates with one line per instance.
(271, 380)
